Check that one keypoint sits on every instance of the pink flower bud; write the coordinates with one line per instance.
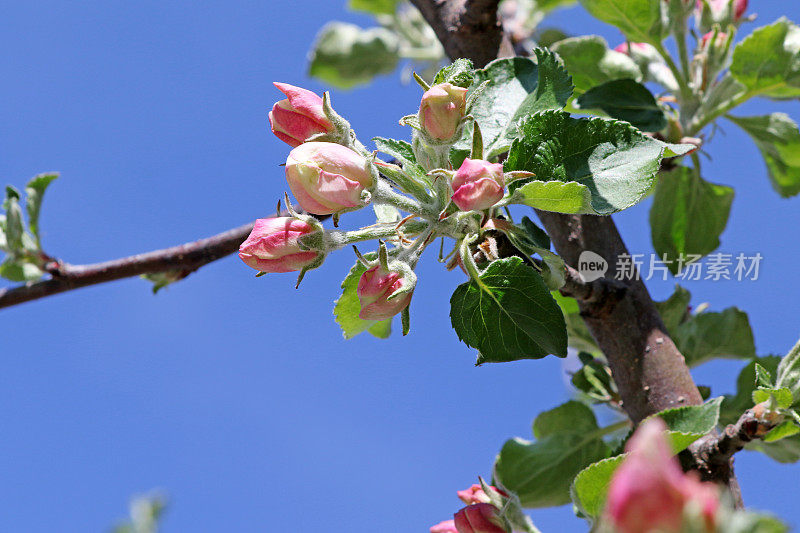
(478, 185)
(299, 116)
(479, 518)
(718, 42)
(718, 7)
(476, 494)
(441, 110)
(649, 491)
(448, 526)
(326, 177)
(272, 245)
(374, 289)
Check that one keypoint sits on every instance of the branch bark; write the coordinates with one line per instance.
(183, 260)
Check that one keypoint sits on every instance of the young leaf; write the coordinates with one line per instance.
(517, 87)
(675, 309)
(782, 431)
(561, 197)
(376, 7)
(348, 307)
(733, 406)
(19, 270)
(34, 192)
(688, 215)
(541, 471)
(710, 334)
(590, 62)
(590, 487)
(688, 423)
(788, 373)
(642, 21)
(594, 378)
(459, 73)
(13, 227)
(508, 314)
(577, 332)
(614, 161)
(778, 139)
(782, 396)
(402, 151)
(345, 55)
(786, 450)
(767, 62)
(626, 100)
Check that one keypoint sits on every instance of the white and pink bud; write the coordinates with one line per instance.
(273, 245)
(384, 292)
(442, 109)
(299, 116)
(719, 41)
(327, 178)
(447, 526)
(476, 494)
(719, 8)
(650, 492)
(478, 185)
(479, 518)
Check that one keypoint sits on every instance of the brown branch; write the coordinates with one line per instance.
(183, 259)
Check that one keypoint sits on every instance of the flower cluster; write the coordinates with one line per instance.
(482, 514)
(330, 173)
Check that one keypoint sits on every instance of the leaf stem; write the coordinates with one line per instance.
(686, 91)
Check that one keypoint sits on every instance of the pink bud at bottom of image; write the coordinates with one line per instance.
(448, 526)
(479, 518)
(272, 245)
(374, 289)
(650, 492)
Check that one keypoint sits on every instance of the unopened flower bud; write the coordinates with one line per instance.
(719, 42)
(273, 245)
(476, 494)
(383, 293)
(650, 492)
(441, 110)
(299, 116)
(327, 178)
(478, 185)
(719, 8)
(448, 526)
(479, 518)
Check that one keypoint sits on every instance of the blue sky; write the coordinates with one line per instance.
(237, 395)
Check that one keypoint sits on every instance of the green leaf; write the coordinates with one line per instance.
(376, 7)
(161, 280)
(508, 314)
(403, 152)
(788, 373)
(517, 87)
(578, 334)
(570, 417)
(710, 334)
(617, 163)
(459, 73)
(740, 521)
(590, 487)
(345, 55)
(348, 307)
(763, 376)
(767, 62)
(34, 192)
(590, 62)
(785, 450)
(675, 309)
(719, 97)
(19, 270)
(733, 406)
(688, 215)
(778, 139)
(594, 379)
(688, 423)
(784, 430)
(782, 395)
(626, 100)
(14, 227)
(541, 471)
(549, 5)
(570, 197)
(642, 21)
